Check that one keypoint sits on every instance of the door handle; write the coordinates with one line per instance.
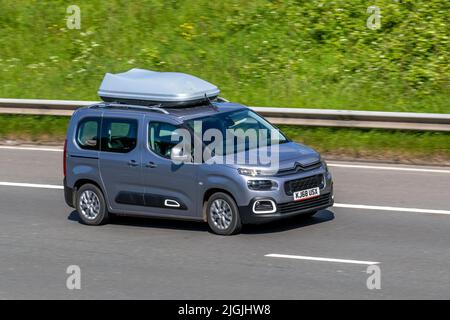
(133, 163)
(151, 164)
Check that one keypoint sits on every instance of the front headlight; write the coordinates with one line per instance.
(249, 172)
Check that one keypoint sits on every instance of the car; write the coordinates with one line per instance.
(123, 156)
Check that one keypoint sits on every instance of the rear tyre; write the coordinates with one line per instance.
(223, 214)
(91, 205)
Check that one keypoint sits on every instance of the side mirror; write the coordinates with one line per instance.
(178, 155)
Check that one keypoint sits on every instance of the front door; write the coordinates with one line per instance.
(170, 189)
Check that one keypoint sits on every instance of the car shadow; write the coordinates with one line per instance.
(148, 222)
(287, 224)
(271, 227)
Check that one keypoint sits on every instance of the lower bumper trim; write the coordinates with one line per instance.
(287, 209)
(294, 206)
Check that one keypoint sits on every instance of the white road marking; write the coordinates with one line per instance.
(331, 164)
(357, 166)
(30, 185)
(366, 207)
(288, 256)
(31, 148)
(337, 205)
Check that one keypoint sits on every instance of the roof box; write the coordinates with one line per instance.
(145, 87)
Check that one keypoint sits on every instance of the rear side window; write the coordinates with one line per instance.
(119, 135)
(88, 133)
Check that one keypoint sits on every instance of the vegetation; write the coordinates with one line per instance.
(314, 54)
(386, 145)
(290, 53)
(33, 128)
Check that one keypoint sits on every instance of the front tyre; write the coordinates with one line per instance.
(91, 205)
(223, 214)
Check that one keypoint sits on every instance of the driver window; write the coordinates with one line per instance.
(162, 137)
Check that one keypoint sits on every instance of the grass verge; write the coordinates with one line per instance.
(336, 143)
(33, 129)
(373, 144)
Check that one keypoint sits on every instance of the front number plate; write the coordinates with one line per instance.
(306, 194)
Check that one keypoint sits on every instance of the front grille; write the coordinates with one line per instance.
(298, 168)
(292, 186)
(293, 206)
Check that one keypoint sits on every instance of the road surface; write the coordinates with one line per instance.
(396, 217)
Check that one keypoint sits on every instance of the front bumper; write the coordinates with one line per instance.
(286, 209)
(284, 200)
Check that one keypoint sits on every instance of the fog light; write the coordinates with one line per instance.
(264, 206)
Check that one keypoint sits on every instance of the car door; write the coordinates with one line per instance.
(170, 189)
(120, 161)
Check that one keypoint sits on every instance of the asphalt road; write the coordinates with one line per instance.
(161, 259)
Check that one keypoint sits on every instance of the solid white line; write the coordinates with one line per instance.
(31, 148)
(331, 164)
(357, 166)
(288, 256)
(337, 205)
(30, 185)
(366, 207)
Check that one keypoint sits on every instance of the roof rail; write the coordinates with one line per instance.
(136, 107)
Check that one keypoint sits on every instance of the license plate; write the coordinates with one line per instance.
(306, 194)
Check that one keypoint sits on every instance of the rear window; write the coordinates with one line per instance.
(88, 133)
(119, 135)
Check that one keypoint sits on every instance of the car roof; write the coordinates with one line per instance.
(177, 114)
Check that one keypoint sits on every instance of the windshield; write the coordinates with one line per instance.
(239, 131)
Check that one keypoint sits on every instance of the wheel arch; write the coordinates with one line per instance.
(77, 185)
(208, 193)
(81, 182)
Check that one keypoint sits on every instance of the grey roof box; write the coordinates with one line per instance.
(145, 87)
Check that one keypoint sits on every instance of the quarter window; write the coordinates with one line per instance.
(88, 133)
(119, 135)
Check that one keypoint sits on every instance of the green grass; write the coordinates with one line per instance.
(33, 128)
(375, 144)
(312, 54)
